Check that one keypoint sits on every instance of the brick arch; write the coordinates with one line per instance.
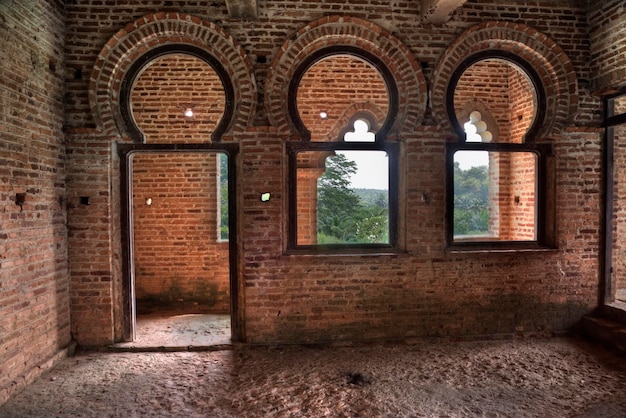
(369, 111)
(129, 44)
(346, 31)
(492, 125)
(553, 67)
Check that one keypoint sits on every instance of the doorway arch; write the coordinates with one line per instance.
(121, 59)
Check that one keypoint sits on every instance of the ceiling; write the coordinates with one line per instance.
(433, 11)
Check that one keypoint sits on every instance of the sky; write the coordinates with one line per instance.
(373, 166)
(469, 159)
(372, 169)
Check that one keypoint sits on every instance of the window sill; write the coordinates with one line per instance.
(343, 252)
(498, 247)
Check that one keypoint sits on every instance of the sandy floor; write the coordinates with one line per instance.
(523, 378)
(173, 329)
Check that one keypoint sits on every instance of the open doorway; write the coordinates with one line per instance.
(177, 189)
(615, 254)
(180, 248)
(180, 288)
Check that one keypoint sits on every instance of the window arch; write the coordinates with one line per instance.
(343, 33)
(131, 45)
(495, 38)
(179, 98)
(215, 75)
(497, 184)
(343, 169)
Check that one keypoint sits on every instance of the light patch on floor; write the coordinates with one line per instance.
(179, 330)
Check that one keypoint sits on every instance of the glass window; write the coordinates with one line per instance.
(223, 196)
(346, 201)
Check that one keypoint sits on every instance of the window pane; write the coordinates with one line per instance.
(495, 196)
(343, 197)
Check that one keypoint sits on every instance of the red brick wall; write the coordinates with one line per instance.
(308, 174)
(340, 86)
(523, 197)
(169, 86)
(486, 82)
(92, 236)
(34, 280)
(422, 291)
(513, 196)
(522, 104)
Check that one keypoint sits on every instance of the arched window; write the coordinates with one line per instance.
(497, 183)
(343, 171)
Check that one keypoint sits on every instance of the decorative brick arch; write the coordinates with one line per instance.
(349, 32)
(548, 60)
(128, 45)
(368, 111)
(486, 115)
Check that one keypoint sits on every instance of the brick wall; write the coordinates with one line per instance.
(608, 53)
(522, 197)
(340, 86)
(422, 291)
(93, 247)
(168, 87)
(522, 104)
(34, 280)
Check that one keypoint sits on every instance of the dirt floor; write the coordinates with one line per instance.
(559, 377)
(176, 329)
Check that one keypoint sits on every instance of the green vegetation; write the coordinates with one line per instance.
(223, 164)
(357, 216)
(347, 216)
(471, 200)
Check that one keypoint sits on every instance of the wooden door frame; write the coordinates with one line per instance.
(610, 121)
